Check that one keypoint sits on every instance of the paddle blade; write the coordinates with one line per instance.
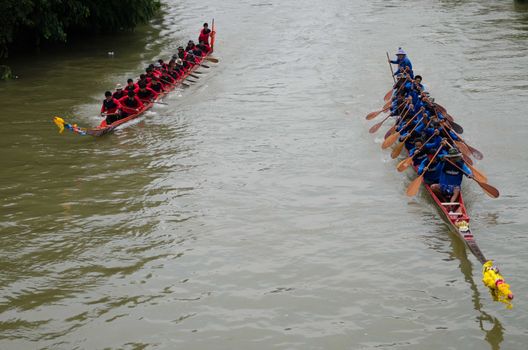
(389, 132)
(389, 141)
(463, 148)
(387, 105)
(397, 150)
(375, 127)
(414, 187)
(458, 129)
(373, 115)
(475, 152)
(467, 160)
(488, 189)
(404, 164)
(212, 59)
(477, 174)
(388, 95)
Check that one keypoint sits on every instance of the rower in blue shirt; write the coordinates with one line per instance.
(452, 170)
(403, 62)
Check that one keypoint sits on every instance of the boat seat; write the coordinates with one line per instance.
(454, 214)
(450, 203)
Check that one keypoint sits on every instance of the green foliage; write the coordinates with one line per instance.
(53, 20)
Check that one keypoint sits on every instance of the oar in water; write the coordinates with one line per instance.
(404, 164)
(392, 138)
(487, 188)
(212, 59)
(413, 188)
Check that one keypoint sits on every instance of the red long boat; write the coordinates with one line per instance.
(457, 217)
(103, 128)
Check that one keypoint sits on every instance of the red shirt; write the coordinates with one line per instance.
(110, 106)
(129, 106)
(204, 36)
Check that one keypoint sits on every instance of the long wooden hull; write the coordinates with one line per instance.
(105, 129)
(458, 219)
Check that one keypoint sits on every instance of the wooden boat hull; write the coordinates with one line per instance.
(458, 220)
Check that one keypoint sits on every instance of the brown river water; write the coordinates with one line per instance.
(255, 211)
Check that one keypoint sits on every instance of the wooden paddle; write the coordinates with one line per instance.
(475, 152)
(374, 114)
(390, 131)
(389, 93)
(413, 188)
(376, 126)
(212, 59)
(455, 126)
(487, 188)
(479, 175)
(462, 147)
(390, 67)
(392, 138)
(404, 164)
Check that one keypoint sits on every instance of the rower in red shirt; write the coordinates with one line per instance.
(110, 108)
(130, 104)
(131, 86)
(204, 48)
(204, 34)
(156, 85)
(119, 92)
(146, 94)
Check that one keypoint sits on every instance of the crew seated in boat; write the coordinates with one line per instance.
(110, 108)
(143, 79)
(190, 46)
(204, 34)
(131, 86)
(162, 64)
(130, 104)
(146, 94)
(182, 53)
(151, 73)
(204, 47)
(166, 80)
(403, 62)
(119, 92)
(452, 170)
(155, 85)
(432, 172)
(180, 67)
